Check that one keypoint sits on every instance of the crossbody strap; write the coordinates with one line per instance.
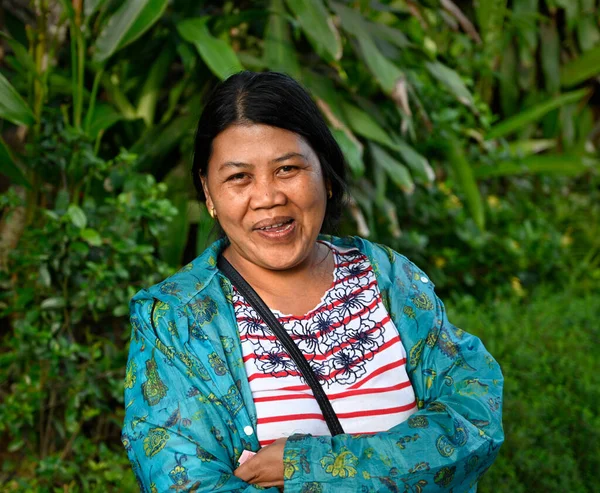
(266, 314)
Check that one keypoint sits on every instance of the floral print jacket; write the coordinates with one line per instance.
(190, 414)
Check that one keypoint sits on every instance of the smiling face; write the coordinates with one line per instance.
(268, 191)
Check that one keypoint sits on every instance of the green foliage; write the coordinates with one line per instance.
(65, 293)
(470, 150)
(551, 392)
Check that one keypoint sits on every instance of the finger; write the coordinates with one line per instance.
(245, 472)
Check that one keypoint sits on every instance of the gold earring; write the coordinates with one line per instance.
(329, 193)
(212, 212)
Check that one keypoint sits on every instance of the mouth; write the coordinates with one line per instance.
(274, 224)
(278, 227)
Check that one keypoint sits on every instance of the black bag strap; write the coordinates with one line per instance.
(266, 314)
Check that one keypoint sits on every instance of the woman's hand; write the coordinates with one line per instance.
(266, 467)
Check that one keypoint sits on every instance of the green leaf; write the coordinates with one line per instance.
(90, 6)
(9, 168)
(53, 303)
(91, 236)
(466, 179)
(105, 116)
(527, 147)
(386, 73)
(361, 123)
(581, 68)
(395, 170)
(509, 86)
(556, 164)
(12, 106)
(452, 80)
(550, 54)
(129, 22)
(21, 54)
(490, 17)
(161, 139)
(318, 27)
(279, 53)
(153, 83)
(352, 150)
(533, 114)
(216, 53)
(587, 32)
(416, 162)
(77, 216)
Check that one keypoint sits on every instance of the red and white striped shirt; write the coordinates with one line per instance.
(350, 342)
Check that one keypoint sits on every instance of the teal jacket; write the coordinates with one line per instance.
(189, 412)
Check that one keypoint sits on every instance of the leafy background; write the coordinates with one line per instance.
(471, 133)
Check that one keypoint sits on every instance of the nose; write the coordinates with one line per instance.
(267, 193)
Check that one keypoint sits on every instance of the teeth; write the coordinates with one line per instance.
(273, 226)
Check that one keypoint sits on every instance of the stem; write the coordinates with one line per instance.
(90, 112)
(81, 76)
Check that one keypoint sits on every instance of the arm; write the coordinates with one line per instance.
(177, 437)
(448, 443)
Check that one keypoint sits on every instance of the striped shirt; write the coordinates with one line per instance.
(351, 344)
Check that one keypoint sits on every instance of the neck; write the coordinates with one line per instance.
(316, 266)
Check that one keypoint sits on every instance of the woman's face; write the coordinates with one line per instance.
(267, 188)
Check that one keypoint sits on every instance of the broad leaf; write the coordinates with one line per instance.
(581, 68)
(362, 123)
(533, 114)
(216, 53)
(9, 168)
(557, 164)
(395, 170)
(12, 106)
(352, 150)
(318, 27)
(386, 73)
(279, 53)
(418, 163)
(90, 6)
(466, 179)
(105, 116)
(452, 80)
(550, 54)
(129, 22)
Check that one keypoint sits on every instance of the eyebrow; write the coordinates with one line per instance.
(241, 164)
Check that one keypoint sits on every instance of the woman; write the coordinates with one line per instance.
(419, 400)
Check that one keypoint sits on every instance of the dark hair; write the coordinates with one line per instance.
(274, 99)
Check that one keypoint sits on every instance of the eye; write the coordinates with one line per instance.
(237, 177)
(288, 168)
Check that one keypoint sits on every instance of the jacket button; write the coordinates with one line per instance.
(248, 430)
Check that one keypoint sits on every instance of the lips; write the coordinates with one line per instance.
(272, 223)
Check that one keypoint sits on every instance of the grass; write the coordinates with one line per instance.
(548, 349)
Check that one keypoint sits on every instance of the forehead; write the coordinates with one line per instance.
(257, 144)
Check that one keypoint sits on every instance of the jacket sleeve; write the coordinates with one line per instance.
(175, 435)
(453, 437)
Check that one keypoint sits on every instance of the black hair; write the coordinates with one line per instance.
(275, 99)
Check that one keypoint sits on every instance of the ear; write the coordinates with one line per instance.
(209, 203)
